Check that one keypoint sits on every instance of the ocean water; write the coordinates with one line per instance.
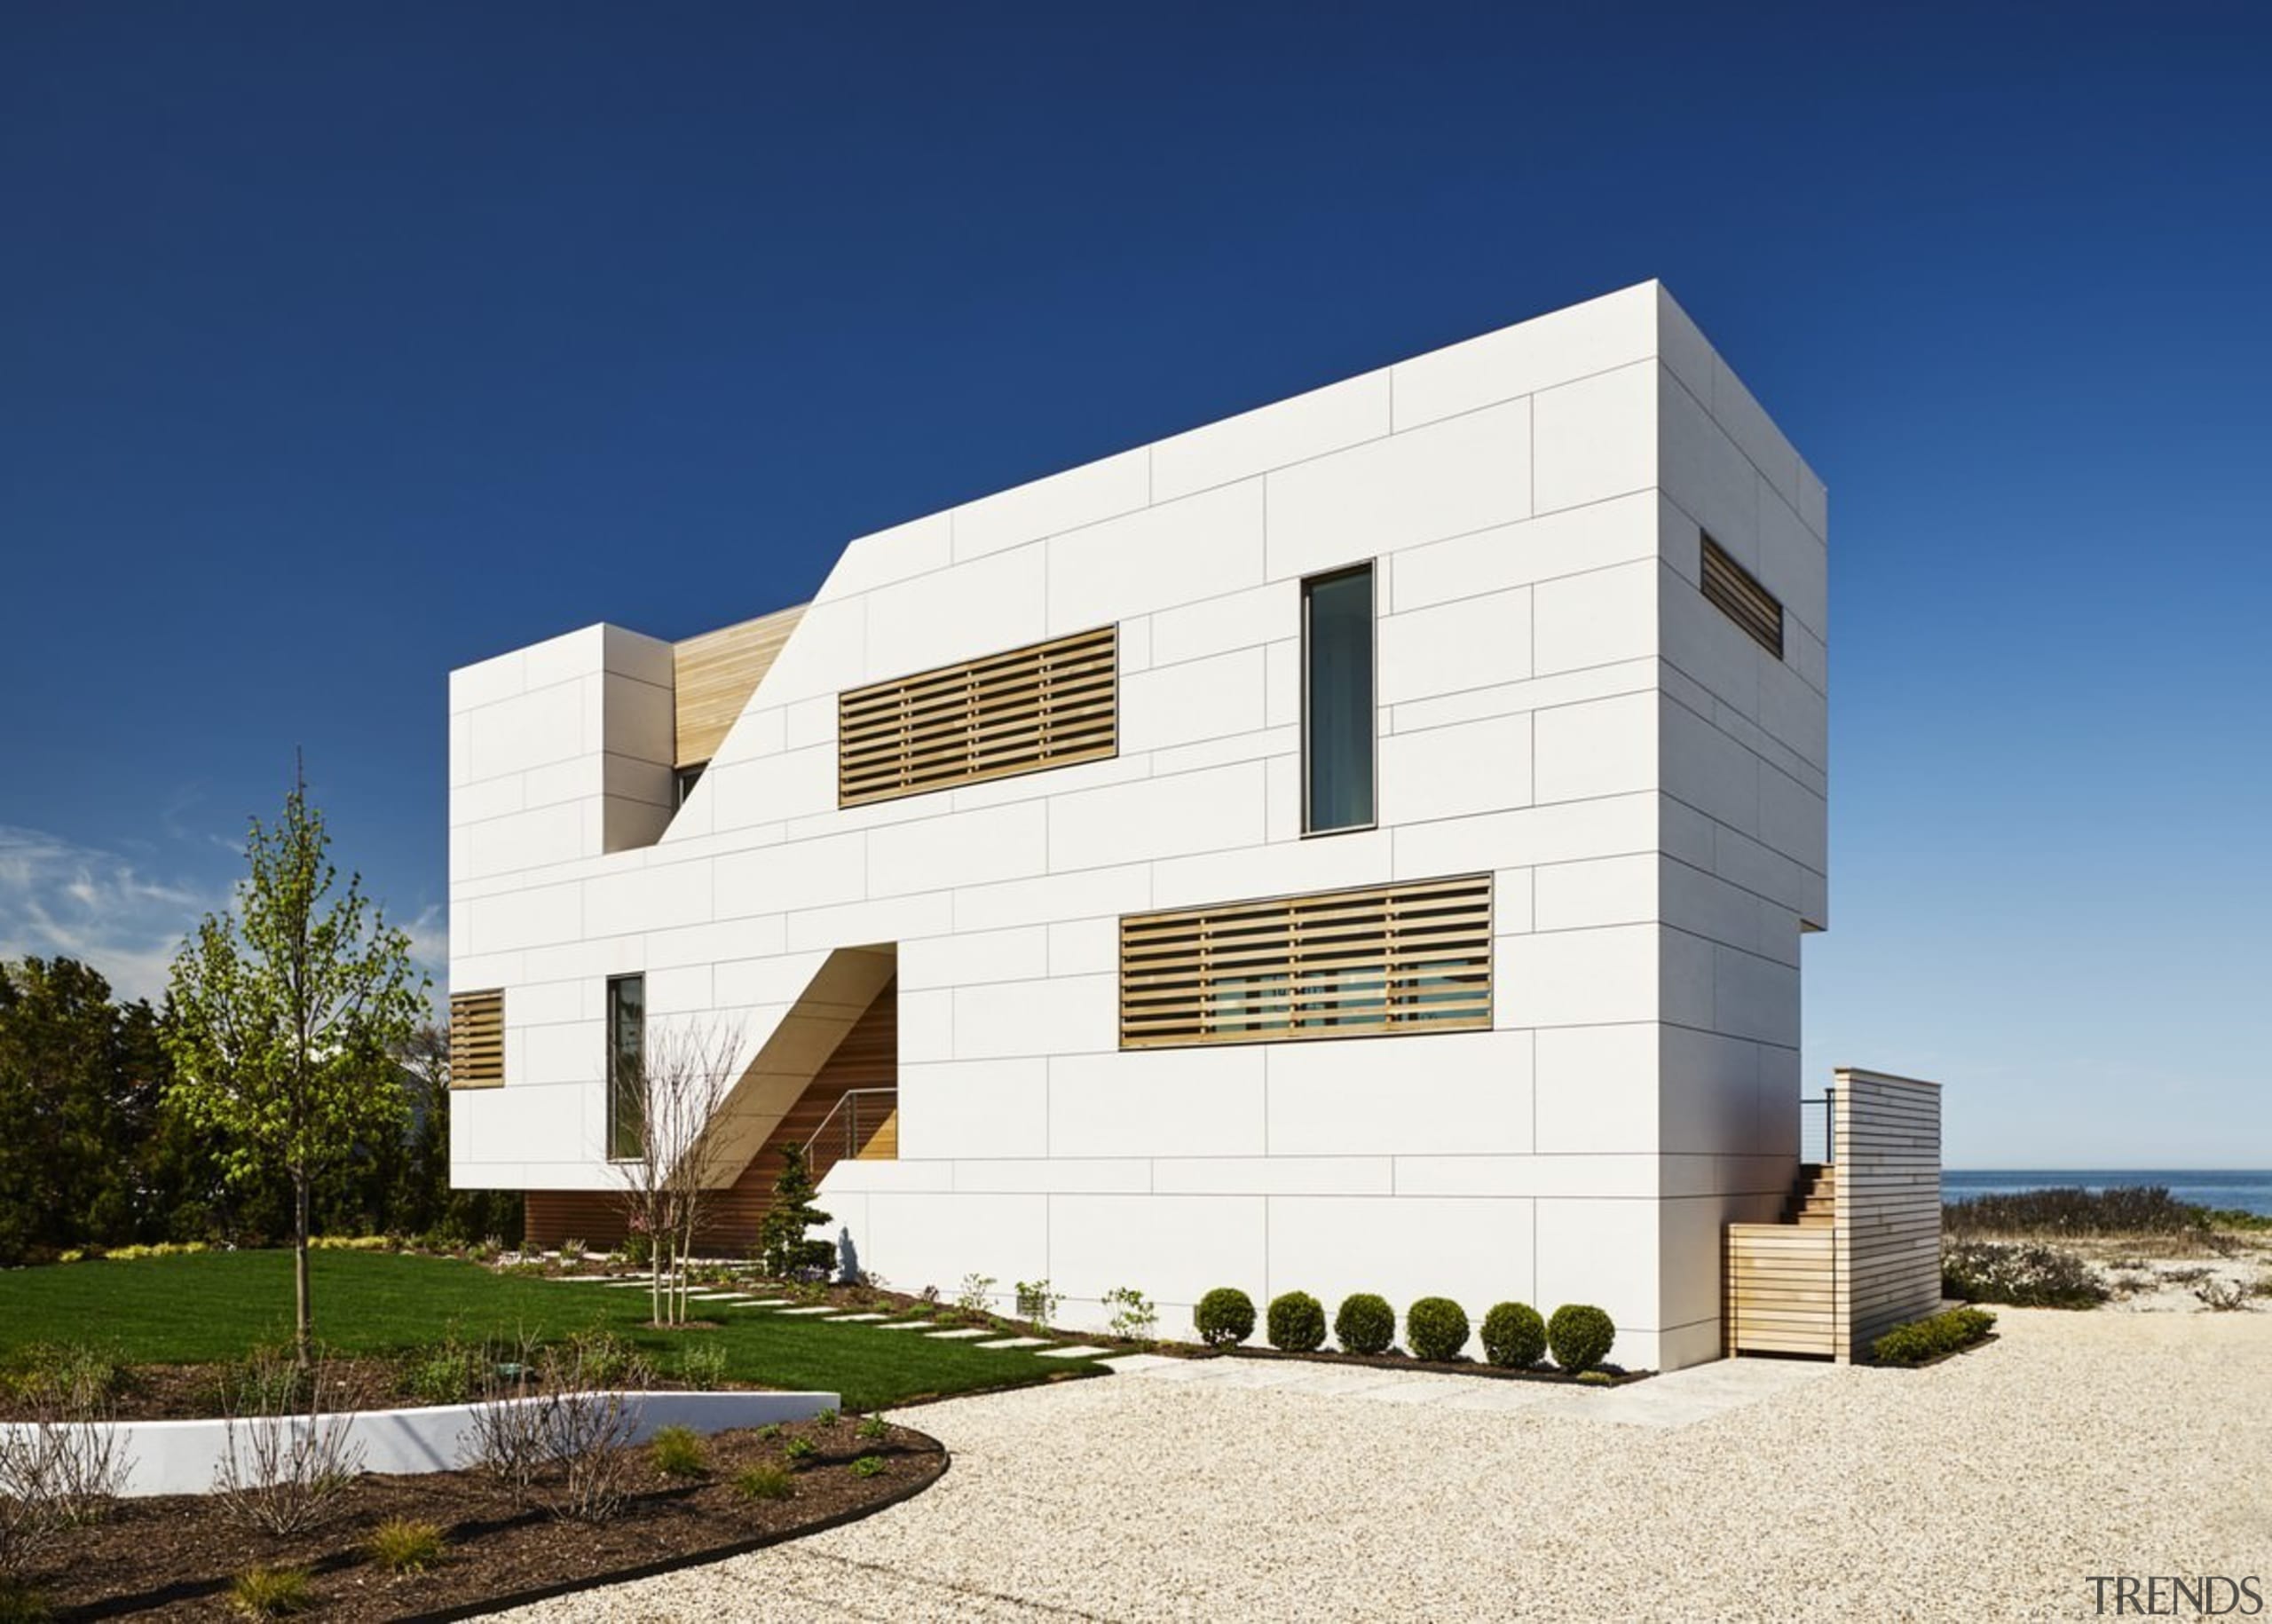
(2250, 1192)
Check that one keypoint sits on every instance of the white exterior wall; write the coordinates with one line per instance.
(1556, 704)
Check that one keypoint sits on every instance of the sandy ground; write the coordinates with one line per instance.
(1989, 1486)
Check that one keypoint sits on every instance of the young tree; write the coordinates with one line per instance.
(284, 1013)
(781, 1234)
(671, 1098)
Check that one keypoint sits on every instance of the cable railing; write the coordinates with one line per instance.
(863, 1124)
(1818, 1131)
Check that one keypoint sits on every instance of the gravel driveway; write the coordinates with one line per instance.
(1989, 1486)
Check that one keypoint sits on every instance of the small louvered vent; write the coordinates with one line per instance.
(1742, 599)
(477, 1039)
(1048, 705)
(1412, 958)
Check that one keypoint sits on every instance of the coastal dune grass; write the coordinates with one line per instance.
(213, 1307)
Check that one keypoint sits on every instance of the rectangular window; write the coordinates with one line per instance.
(1047, 705)
(626, 1059)
(683, 780)
(477, 1039)
(1408, 957)
(1742, 599)
(1337, 701)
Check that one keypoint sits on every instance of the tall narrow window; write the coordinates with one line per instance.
(1337, 701)
(626, 1059)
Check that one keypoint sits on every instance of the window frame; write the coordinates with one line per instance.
(615, 1055)
(1371, 569)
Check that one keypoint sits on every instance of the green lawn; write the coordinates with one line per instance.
(214, 1305)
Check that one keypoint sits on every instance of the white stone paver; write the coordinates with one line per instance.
(855, 1319)
(950, 1335)
(1989, 1486)
(823, 1309)
(1012, 1342)
(1078, 1351)
(906, 1325)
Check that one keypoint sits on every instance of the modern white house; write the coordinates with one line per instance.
(1361, 844)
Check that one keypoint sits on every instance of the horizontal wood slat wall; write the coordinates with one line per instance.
(1047, 705)
(1887, 1134)
(1781, 1296)
(1410, 957)
(1742, 599)
(866, 1057)
(477, 1039)
(715, 673)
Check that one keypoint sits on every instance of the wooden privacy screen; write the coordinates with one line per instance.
(1412, 958)
(1742, 599)
(477, 1039)
(714, 674)
(1047, 705)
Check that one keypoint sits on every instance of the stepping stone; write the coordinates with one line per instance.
(854, 1318)
(950, 1335)
(906, 1325)
(1131, 1363)
(1012, 1342)
(787, 1312)
(1076, 1352)
(771, 1302)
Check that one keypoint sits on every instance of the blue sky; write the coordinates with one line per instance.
(341, 345)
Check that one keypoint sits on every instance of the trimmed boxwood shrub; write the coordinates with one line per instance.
(1514, 1337)
(1297, 1322)
(1364, 1323)
(1933, 1336)
(1435, 1328)
(1226, 1317)
(1581, 1335)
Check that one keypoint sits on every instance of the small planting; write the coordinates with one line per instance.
(827, 1418)
(977, 1294)
(1514, 1336)
(1435, 1329)
(868, 1466)
(2221, 1295)
(1297, 1322)
(571, 1252)
(401, 1545)
(679, 1453)
(1134, 1316)
(1922, 1340)
(19, 1604)
(1596, 1378)
(1038, 1302)
(1364, 1323)
(798, 1450)
(873, 1427)
(447, 1372)
(702, 1366)
(2024, 1276)
(1225, 1317)
(272, 1592)
(765, 1483)
(1581, 1336)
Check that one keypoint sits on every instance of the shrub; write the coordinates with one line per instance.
(873, 1427)
(827, 1417)
(447, 1372)
(1581, 1335)
(272, 1592)
(702, 1366)
(977, 1294)
(2124, 1211)
(1134, 1316)
(19, 1604)
(572, 1251)
(1364, 1323)
(798, 1450)
(1435, 1328)
(403, 1546)
(601, 1358)
(765, 1483)
(1036, 1303)
(1297, 1322)
(1597, 1378)
(1514, 1337)
(1929, 1339)
(868, 1466)
(2221, 1295)
(1225, 1317)
(678, 1453)
(2024, 1276)
(284, 1468)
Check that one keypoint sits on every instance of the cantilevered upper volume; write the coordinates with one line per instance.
(1361, 844)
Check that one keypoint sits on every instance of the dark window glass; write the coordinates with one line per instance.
(687, 777)
(626, 1056)
(1337, 701)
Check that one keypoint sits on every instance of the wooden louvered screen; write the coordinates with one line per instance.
(1411, 958)
(714, 674)
(477, 1039)
(1047, 705)
(1742, 599)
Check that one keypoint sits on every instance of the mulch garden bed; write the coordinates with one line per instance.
(1619, 1376)
(175, 1556)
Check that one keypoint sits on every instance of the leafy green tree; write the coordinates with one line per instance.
(782, 1245)
(68, 1093)
(285, 1013)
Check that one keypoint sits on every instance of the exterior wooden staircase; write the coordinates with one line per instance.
(1814, 1198)
(1782, 1278)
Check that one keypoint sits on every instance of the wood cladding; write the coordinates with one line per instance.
(867, 1056)
(714, 674)
(1781, 1289)
(1740, 596)
(477, 1039)
(1889, 1204)
(1047, 705)
(1409, 957)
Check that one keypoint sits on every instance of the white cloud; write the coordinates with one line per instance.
(59, 899)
